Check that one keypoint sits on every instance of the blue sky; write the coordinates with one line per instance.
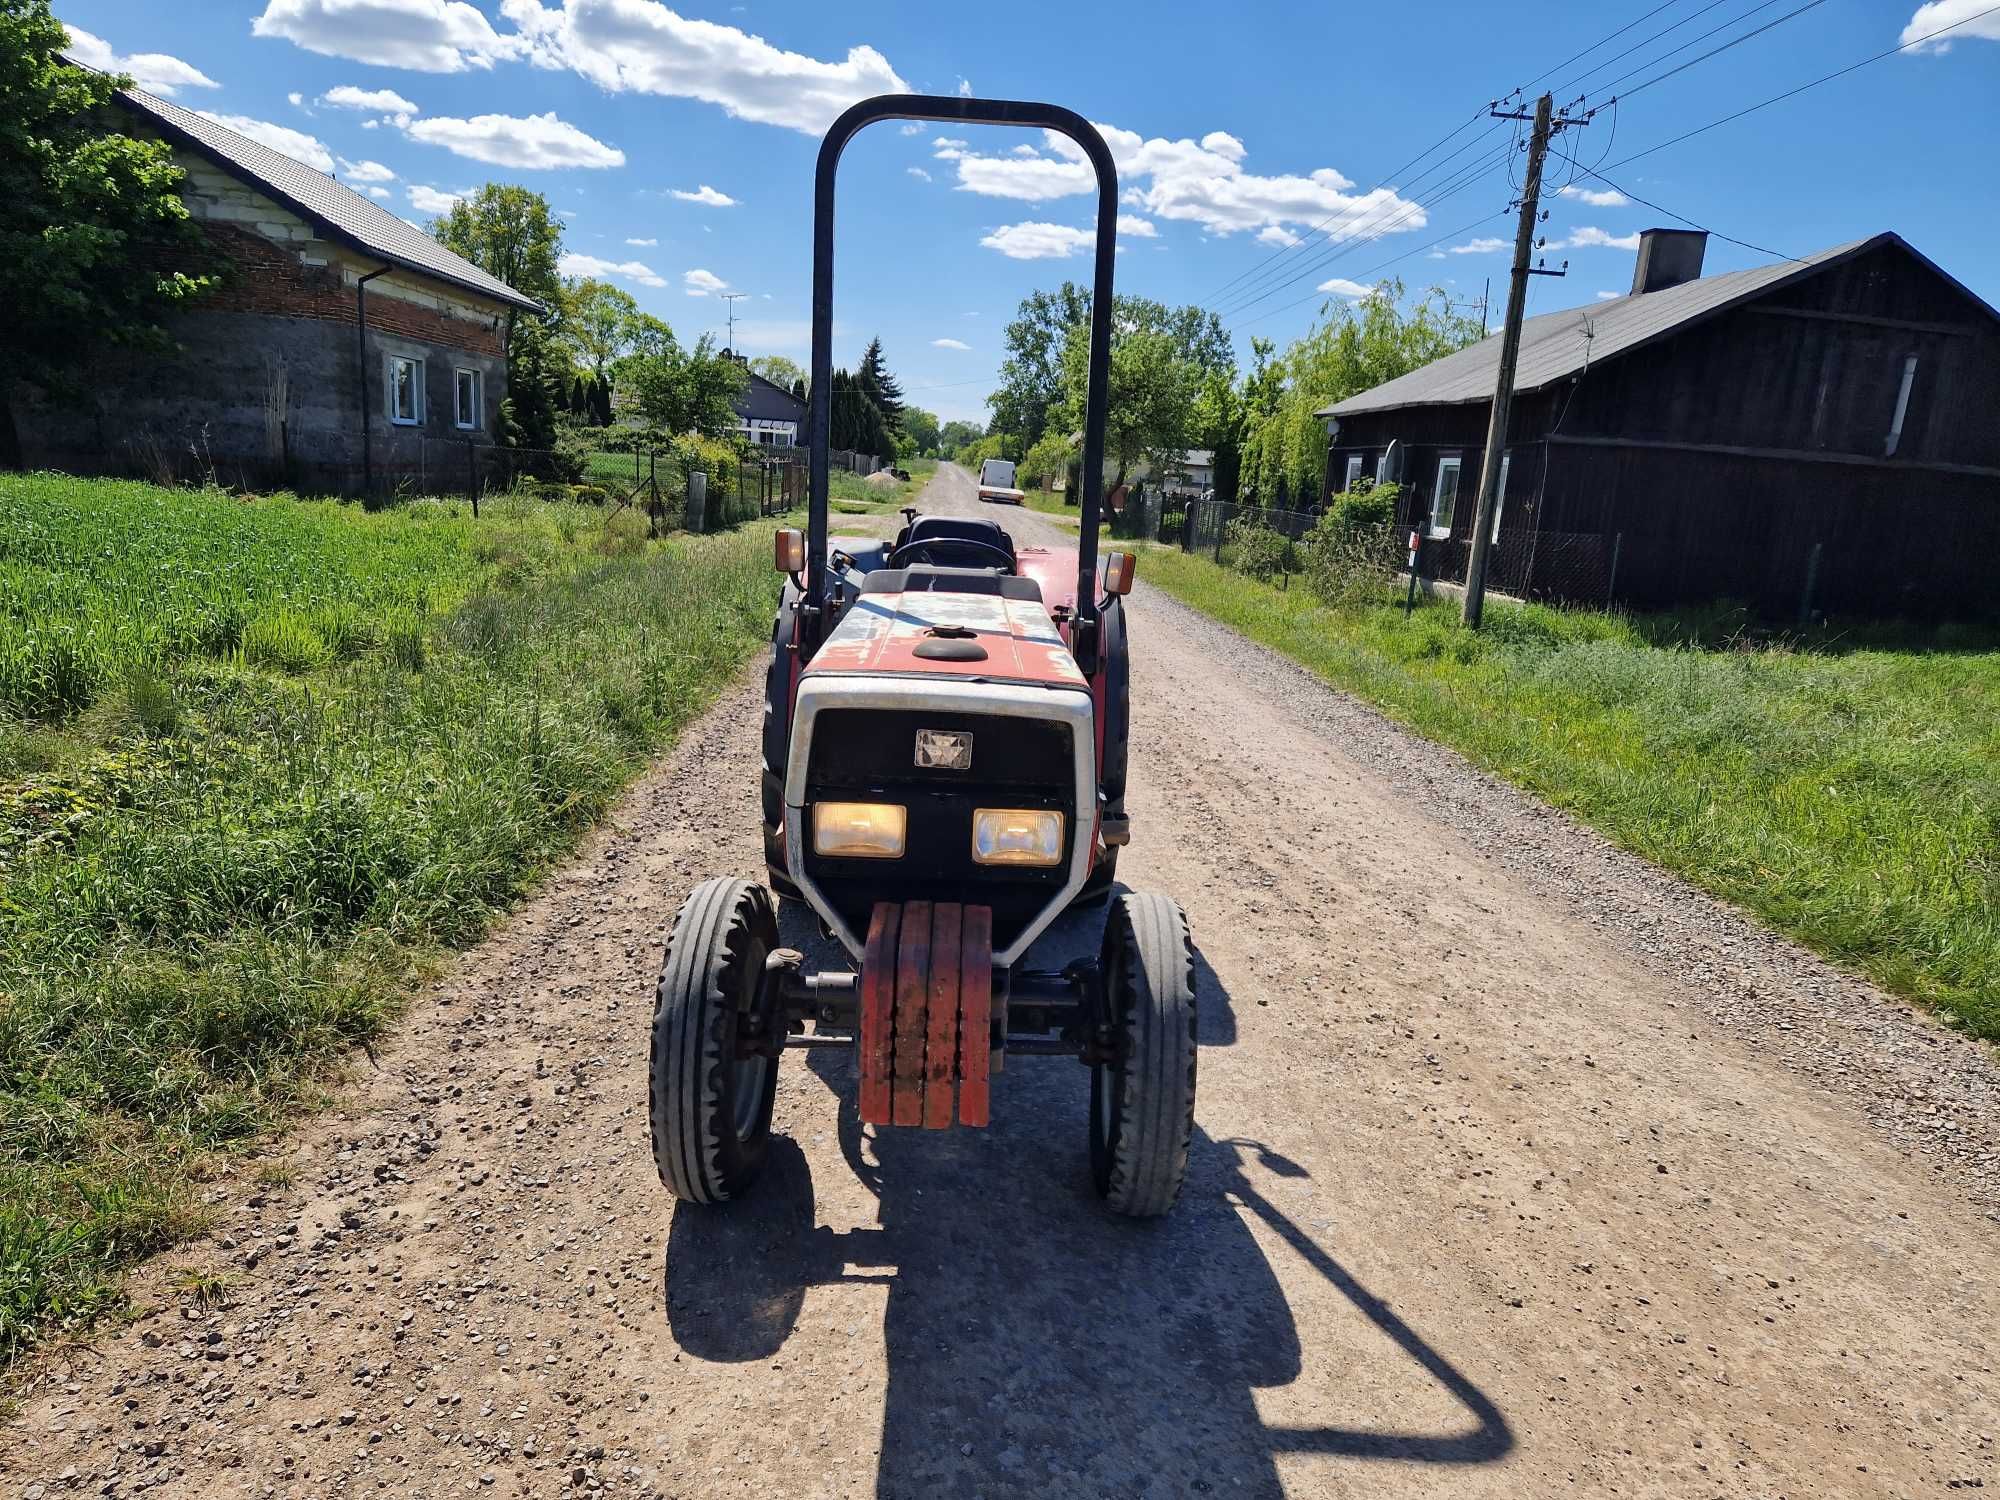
(679, 143)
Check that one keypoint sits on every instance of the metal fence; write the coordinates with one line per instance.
(1549, 566)
(677, 491)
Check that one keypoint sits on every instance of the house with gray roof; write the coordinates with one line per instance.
(344, 348)
(1820, 435)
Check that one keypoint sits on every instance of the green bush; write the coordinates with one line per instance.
(1363, 509)
(1254, 548)
(286, 640)
(1353, 551)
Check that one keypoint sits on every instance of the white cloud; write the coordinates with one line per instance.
(1200, 181)
(1590, 235)
(957, 344)
(430, 200)
(375, 101)
(1609, 198)
(965, 88)
(1609, 296)
(919, 173)
(1138, 228)
(1037, 241)
(1939, 14)
(705, 194)
(534, 141)
(1344, 287)
(1485, 245)
(1277, 234)
(591, 265)
(380, 194)
(427, 36)
(153, 71)
(911, 127)
(646, 244)
(1024, 149)
(643, 47)
(286, 142)
(296, 99)
(700, 283)
(365, 171)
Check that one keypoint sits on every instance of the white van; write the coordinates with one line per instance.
(996, 482)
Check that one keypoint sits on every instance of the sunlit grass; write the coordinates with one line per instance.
(1844, 788)
(307, 749)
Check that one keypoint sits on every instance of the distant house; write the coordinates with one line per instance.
(767, 414)
(1816, 434)
(343, 347)
(1192, 473)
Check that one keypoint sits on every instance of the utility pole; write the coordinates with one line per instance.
(1546, 125)
(732, 298)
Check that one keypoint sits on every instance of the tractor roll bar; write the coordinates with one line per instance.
(975, 112)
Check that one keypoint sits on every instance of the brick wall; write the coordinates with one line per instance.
(264, 277)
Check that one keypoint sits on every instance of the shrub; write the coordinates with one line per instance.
(1256, 549)
(1360, 509)
(1352, 552)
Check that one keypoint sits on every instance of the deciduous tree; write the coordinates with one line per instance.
(95, 244)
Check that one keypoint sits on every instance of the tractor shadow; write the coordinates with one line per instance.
(1034, 1344)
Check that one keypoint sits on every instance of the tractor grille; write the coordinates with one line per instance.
(869, 755)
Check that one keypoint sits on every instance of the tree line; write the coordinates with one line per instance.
(1175, 385)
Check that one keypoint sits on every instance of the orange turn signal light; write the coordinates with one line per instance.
(789, 550)
(1119, 569)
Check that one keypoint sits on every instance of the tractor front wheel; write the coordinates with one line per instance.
(710, 1108)
(1142, 1104)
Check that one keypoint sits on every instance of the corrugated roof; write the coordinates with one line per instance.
(339, 211)
(1553, 346)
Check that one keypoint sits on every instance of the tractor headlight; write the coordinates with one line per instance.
(1016, 836)
(859, 830)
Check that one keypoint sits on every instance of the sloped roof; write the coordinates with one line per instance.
(338, 211)
(1553, 346)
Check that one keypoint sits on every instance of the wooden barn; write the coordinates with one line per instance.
(1818, 435)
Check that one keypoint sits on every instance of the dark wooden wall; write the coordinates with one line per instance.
(1723, 457)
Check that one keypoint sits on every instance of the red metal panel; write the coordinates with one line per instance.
(941, 1047)
(878, 1009)
(913, 982)
(975, 1013)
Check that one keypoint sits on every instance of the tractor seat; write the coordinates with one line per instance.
(928, 578)
(961, 528)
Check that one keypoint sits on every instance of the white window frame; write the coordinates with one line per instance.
(1455, 464)
(1500, 495)
(460, 419)
(1353, 473)
(416, 389)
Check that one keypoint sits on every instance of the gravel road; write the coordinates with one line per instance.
(1519, 1170)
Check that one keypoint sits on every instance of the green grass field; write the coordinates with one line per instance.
(262, 763)
(1846, 791)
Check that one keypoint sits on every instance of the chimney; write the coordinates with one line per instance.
(1667, 257)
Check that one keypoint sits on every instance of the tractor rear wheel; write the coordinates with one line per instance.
(711, 1109)
(1142, 1104)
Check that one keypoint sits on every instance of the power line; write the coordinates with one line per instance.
(1733, 42)
(1261, 274)
(1595, 45)
(1457, 184)
(1387, 177)
(1637, 46)
(1418, 250)
(1662, 208)
(1811, 84)
(1696, 41)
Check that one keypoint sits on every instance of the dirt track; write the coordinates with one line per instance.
(1485, 1200)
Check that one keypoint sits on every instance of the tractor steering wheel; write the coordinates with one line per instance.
(922, 550)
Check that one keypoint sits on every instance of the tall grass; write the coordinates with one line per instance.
(1847, 790)
(226, 861)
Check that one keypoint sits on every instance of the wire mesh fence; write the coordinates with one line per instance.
(677, 490)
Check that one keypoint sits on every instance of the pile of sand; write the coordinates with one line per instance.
(882, 479)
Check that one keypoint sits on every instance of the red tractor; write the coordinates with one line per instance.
(945, 729)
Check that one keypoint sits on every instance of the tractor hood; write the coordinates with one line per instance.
(926, 632)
